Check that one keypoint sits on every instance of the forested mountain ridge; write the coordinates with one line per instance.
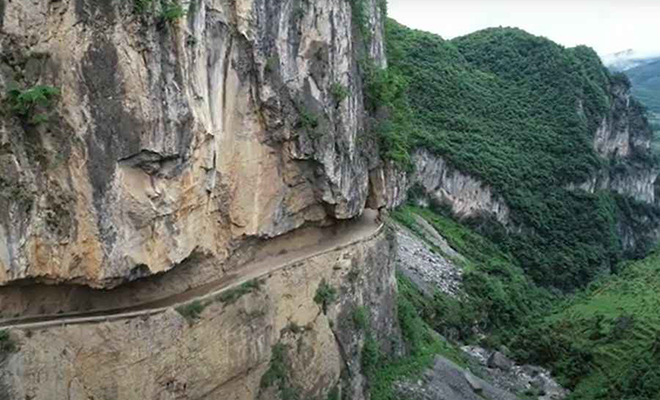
(549, 129)
(564, 146)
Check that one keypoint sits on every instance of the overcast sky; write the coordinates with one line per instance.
(606, 25)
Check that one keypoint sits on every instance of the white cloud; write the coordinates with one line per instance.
(606, 25)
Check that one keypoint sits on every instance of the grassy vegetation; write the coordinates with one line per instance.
(142, 6)
(499, 294)
(308, 121)
(232, 295)
(333, 394)
(386, 94)
(360, 318)
(605, 343)
(271, 64)
(502, 105)
(360, 15)
(193, 311)
(339, 92)
(278, 374)
(423, 345)
(172, 11)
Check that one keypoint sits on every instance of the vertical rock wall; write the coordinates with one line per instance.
(173, 137)
(227, 351)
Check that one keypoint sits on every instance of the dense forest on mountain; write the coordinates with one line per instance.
(519, 112)
(605, 342)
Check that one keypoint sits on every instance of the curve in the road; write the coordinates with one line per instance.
(364, 228)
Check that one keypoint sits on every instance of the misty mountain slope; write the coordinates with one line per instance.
(646, 84)
(628, 59)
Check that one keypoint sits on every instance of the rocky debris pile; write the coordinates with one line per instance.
(429, 270)
(449, 381)
(434, 237)
(506, 375)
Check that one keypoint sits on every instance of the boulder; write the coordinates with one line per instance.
(500, 361)
(474, 383)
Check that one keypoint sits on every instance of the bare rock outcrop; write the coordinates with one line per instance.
(176, 134)
(226, 351)
(624, 140)
(439, 181)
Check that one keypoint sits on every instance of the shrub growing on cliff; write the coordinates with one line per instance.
(141, 6)
(360, 15)
(24, 102)
(339, 92)
(325, 295)
(422, 344)
(191, 311)
(277, 374)
(371, 355)
(308, 120)
(7, 344)
(232, 295)
(172, 11)
(361, 318)
(386, 97)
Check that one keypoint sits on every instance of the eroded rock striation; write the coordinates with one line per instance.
(176, 136)
(225, 351)
(439, 181)
(624, 140)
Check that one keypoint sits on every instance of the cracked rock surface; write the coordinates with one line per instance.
(173, 139)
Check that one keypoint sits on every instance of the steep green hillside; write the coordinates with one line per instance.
(606, 342)
(502, 105)
(499, 295)
(520, 112)
(646, 84)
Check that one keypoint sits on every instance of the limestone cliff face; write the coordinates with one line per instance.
(176, 137)
(624, 140)
(467, 196)
(225, 353)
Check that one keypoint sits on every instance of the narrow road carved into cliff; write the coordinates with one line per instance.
(360, 229)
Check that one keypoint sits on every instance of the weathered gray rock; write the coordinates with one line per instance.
(499, 360)
(222, 122)
(224, 353)
(448, 381)
(475, 383)
(429, 270)
(466, 195)
(517, 378)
